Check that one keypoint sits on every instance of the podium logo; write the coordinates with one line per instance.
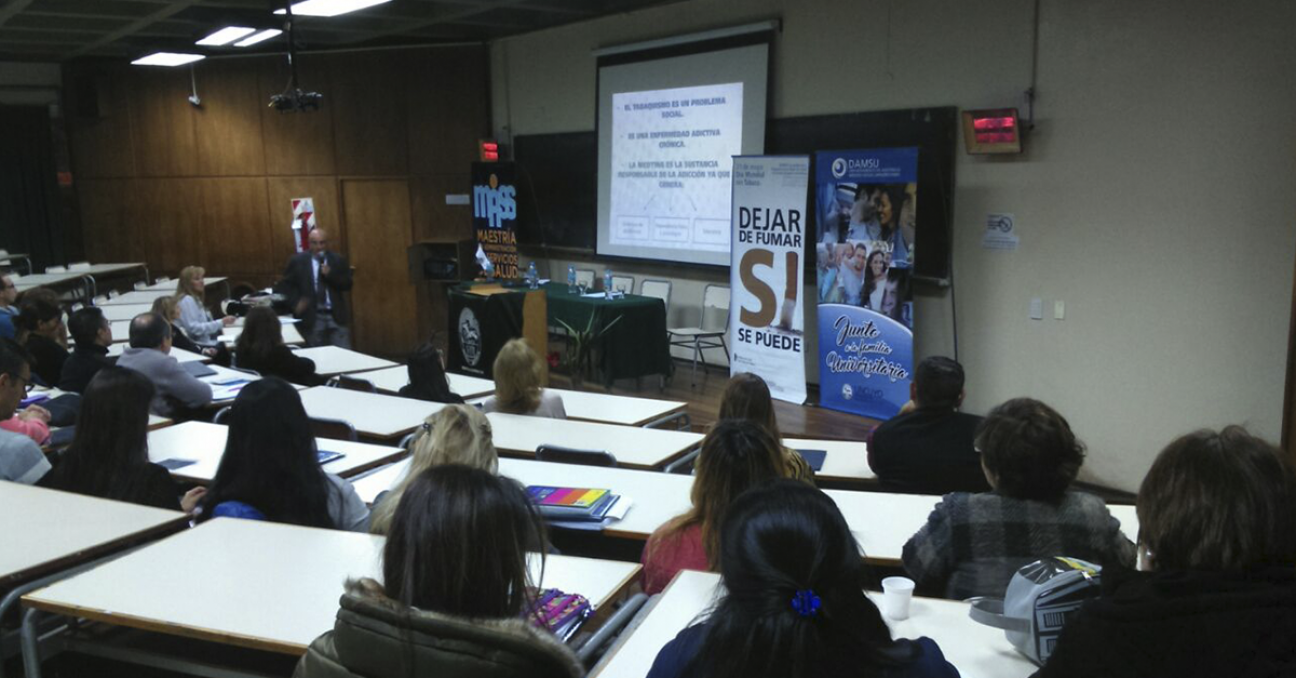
(470, 337)
(494, 202)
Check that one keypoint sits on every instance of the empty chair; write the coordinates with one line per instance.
(56, 269)
(623, 283)
(709, 333)
(570, 455)
(352, 384)
(335, 429)
(585, 277)
(79, 266)
(660, 289)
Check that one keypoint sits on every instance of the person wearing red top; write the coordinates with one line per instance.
(736, 455)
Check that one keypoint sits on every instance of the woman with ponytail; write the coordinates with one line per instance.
(794, 604)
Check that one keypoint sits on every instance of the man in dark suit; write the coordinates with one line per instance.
(929, 448)
(316, 283)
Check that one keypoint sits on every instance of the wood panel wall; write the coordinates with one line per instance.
(161, 181)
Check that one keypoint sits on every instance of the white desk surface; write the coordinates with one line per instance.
(372, 414)
(204, 443)
(394, 379)
(137, 297)
(124, 312)
(28, 282)
(633, 447)
(179, 354)
(227, 383)
(157, 422)
(615, 409)
(976, 650)
(291, 335)
(105, 269)
(52, 529)
(332, 360)
(846, 459)
(188, 585)
(170, 285)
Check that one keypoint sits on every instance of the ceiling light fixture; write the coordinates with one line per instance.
(330, 7)
(167, 59)
(225, 36)
(258, 37)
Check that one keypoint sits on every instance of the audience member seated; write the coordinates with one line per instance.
(747, 397)
(928, 448)
(972, 544)
(195, 319)
(8, 311)
(455, 434)
(735, 455)
(794, 603)
(108, 457)
(32, 421)
(166, 307)
(93, 335)
(271, 464)
(427, 378)
(1216, 594)
(261, 347)
(42, 332)
(518, 373)
(455, 591)
(177, 392)
(21, 459)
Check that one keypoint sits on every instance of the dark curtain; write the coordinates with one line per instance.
(30, 220)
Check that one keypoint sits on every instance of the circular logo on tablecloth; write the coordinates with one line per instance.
(839, 167)
(847, 391)
(470, 337)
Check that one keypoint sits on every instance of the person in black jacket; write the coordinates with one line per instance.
(42, 332)
(316, 283)
(427, 378)
(1216, 595)
(108, 457)
(93, 335)
(928, 449)
(261, 347)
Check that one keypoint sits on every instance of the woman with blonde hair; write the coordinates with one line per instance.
(747, 397)
(455, 434)
(195, 319)
(736, 455)
(518, 373)
(166, 307)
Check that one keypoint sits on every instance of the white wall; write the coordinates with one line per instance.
(1157, 196)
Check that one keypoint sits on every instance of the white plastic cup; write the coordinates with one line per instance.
(897, 592)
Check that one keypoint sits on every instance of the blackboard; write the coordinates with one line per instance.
(558, 174)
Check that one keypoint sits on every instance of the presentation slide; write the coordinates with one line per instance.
(672, 153)
(669, 128)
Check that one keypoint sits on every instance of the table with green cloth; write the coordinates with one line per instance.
(635, 346)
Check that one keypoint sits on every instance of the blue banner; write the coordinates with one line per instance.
(866, 204)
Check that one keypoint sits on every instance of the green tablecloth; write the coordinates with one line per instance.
(635, 346)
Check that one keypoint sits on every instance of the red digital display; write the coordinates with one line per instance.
(992, 131)
(488, 150)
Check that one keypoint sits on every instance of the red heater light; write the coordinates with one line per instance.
(992, 131)
(488, 150)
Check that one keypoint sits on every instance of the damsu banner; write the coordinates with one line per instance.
(495, 215)
(766, 316)
(866, 202)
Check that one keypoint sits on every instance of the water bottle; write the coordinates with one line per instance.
(607, 283)
(571, 279)
(533, 278)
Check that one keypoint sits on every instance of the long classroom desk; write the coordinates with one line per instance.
(179, 354)
(332, 360)
(204, 444)
(373, 415)
(846, 461)
(170, 285)
(641, 448)
(614, 409)
(976, 650)
(393, 379)
(881, 521)
(124, 311)
(291, 335)
(190, 585)
(136, 297)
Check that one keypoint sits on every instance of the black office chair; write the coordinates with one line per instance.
(335, 429)
(570, 455)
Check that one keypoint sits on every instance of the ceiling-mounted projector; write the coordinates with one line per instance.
(296, 101)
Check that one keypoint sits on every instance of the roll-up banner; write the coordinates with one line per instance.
(866, 203)
(766, 314)
(495, 215)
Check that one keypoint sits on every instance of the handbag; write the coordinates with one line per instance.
(558, 612)
(1041, 597)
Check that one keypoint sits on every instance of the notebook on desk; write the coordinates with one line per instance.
(197, 369)
(571, 503)
(325, 456)
(815, 458)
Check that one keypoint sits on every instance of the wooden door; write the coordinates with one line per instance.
(378, 230)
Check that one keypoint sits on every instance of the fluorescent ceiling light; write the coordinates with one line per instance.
(167, 59)
(330, 7)
(225, 36)
(259, 37)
